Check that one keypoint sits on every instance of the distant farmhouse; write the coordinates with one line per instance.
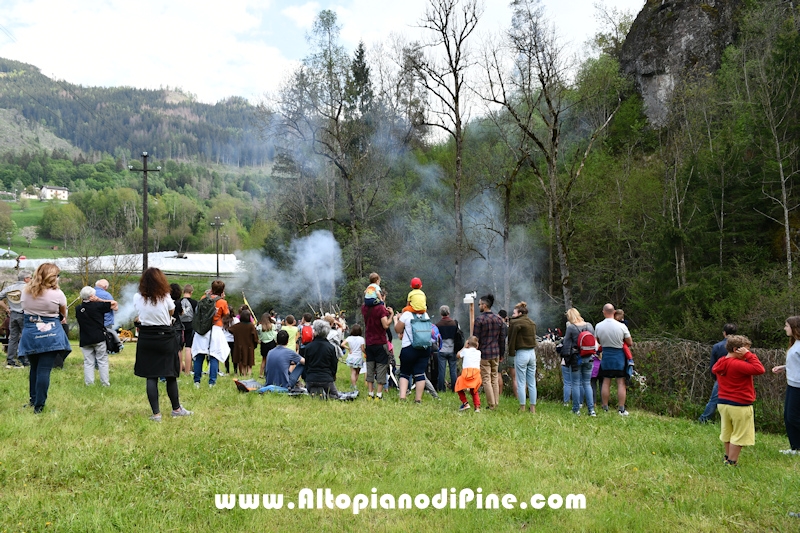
(50, 192)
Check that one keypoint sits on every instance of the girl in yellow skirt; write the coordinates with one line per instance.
(470, 378)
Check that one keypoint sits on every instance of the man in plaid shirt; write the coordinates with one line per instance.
(488, 328)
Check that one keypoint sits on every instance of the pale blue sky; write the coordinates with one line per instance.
(219, 49)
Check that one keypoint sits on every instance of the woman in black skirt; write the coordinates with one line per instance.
(157, 347)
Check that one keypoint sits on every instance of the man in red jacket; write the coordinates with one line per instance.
(735, 374)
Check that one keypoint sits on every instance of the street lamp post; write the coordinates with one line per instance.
(216, 224)
(225, 239)
(8, 250)
(144, 171)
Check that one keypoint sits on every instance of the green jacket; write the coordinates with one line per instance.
(521, 335)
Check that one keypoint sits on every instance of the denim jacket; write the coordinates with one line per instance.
(42, 334)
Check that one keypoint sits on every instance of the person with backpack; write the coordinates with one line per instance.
(415, 329)
(209, 339)
(92, 339)
(522, 347)
(580, 346)
(452, 343)
(188, 307)
(305, 333)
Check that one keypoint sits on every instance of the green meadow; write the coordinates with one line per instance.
(93, 462)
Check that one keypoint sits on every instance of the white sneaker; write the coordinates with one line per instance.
(182, 412)
(623, 412)
(196, 385)
(221, 374)
(790, 452)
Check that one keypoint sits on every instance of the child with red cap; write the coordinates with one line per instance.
(417, 302)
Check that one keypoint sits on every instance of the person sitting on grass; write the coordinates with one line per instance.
(470, 378)
(321, 362)
(284, 366)
(735, 374)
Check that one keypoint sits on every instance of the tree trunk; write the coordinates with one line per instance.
(563, 261)
(458, 286)
(506, 262)
(786, 226)
(357, 253)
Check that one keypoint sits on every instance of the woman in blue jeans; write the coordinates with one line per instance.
(522, 346)
(43, 338)
(582, 371)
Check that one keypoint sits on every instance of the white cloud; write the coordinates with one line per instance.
(303, 16)
(217, 50)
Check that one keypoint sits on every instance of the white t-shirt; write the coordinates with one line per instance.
(471, 358)
(158, 314)
(405, 318)
(611, 334)
(228, 334)
(355, 342)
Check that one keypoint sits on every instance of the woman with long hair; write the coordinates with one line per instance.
(522, 347)
(266, 335)
(581, 370)
(791, 404)
(43, 338)
(157, 346)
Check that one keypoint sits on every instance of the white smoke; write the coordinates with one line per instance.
(126, 312)
(315, 268)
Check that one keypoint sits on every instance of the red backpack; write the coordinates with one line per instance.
(306, 334)
(587, 344)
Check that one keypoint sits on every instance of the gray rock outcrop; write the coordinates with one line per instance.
(673, 39)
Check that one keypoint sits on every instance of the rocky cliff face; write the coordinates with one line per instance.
(673, 39)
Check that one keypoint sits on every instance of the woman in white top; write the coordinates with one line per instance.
(413, 361)
(43, 338)
(156, 348)
(791, 405)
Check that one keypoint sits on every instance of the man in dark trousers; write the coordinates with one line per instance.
(717, 352)
(489, 327)
(448, 328)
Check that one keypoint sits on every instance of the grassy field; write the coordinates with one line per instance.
(94, 462)
(40, 247)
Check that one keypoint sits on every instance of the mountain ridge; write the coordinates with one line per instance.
(123, 121)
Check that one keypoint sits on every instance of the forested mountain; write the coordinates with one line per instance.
(544, 180)
(123, 120)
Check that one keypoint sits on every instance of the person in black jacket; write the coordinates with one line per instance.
(321, 362)
(90, 315)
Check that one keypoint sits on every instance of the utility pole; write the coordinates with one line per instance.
(144, 171)
(8, 250)
(216, 224)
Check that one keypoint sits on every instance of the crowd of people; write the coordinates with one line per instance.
(178, 334)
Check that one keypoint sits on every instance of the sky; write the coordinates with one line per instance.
(215, 50)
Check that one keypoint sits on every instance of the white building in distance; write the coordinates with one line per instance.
(50, 192)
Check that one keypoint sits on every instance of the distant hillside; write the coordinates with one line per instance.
(124, 120)
(18, 134)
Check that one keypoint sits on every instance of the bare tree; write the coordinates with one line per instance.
(444, 61)
(528, 76)
(329, 125)
(771, 87)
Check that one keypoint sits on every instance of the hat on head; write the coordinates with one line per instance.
(416, 283)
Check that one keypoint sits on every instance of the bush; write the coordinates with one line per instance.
(678, 380)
